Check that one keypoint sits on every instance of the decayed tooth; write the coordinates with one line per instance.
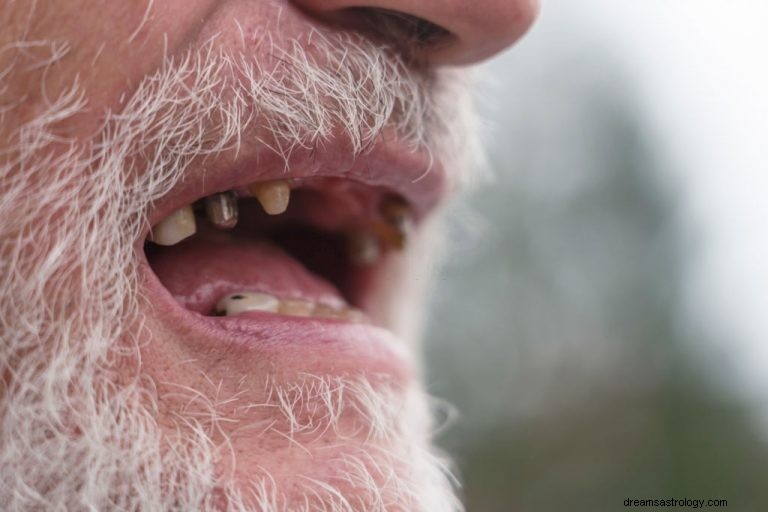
(221, 209)
(273, 195)
(241, 302)
(391, 236)
(398, 222)
(363, 248)
(175, 227)
(296, 307)
(395, 209)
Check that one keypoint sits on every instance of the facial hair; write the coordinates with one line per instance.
(74, 432)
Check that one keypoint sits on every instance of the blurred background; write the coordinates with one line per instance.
(600, 320)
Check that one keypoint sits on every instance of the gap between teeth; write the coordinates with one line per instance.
(365, 244)
(243, 302)
(221, 210)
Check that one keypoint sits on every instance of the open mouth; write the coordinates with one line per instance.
(289, 266)
(303, 247)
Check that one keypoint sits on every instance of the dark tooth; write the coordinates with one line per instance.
(221, 209)
(397, 225)
(390, 236)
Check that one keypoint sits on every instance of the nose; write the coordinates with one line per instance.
(452, 32)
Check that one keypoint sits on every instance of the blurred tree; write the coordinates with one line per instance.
(556, 336)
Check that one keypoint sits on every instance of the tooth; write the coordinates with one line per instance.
(241, 302)
(323, 311)
(352, 315)
(363, 248)
(221, 209)
(349, 314)
(296, 307)
(395, 209)
(175, 227)
(273, 195)
(391, 236)
(398, 222)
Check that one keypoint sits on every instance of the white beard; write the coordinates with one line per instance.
(77, 436)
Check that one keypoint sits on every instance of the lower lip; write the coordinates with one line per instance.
(258, 341)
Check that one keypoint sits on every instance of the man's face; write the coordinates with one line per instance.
(217, 221)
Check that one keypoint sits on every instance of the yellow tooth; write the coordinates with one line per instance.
(323, 311)
(242, 302)
(221, 209)
(273, 195)
(352, 315)
(395, 209)
(394, 230)
(390, 236)
(175, 227)
(349, 314)
(363, 248)
(296, 307)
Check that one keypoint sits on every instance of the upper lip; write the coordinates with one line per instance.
(412, 174)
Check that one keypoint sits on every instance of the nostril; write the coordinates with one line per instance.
(433, 32)
(400, 26)
(412, 36)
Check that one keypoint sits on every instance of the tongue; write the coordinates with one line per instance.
(204, 268)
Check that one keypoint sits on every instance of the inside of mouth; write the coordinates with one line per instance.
(305, 257)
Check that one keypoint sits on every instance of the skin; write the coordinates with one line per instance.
(112, 46)
(105, 57)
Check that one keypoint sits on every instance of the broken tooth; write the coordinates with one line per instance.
(273, 195)
(241, 302)
(221, 209)
(363, 248)
(296, 307)
(175, 227)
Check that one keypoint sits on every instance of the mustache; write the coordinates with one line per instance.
(302, 96)
(72, 210)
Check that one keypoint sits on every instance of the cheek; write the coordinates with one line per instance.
(100, 49)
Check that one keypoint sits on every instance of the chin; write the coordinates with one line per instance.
(287, 297)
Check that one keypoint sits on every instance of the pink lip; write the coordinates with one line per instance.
(295, 344)
(287, 345)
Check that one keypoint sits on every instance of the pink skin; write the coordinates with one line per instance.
(479, 28)
(110, 58)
